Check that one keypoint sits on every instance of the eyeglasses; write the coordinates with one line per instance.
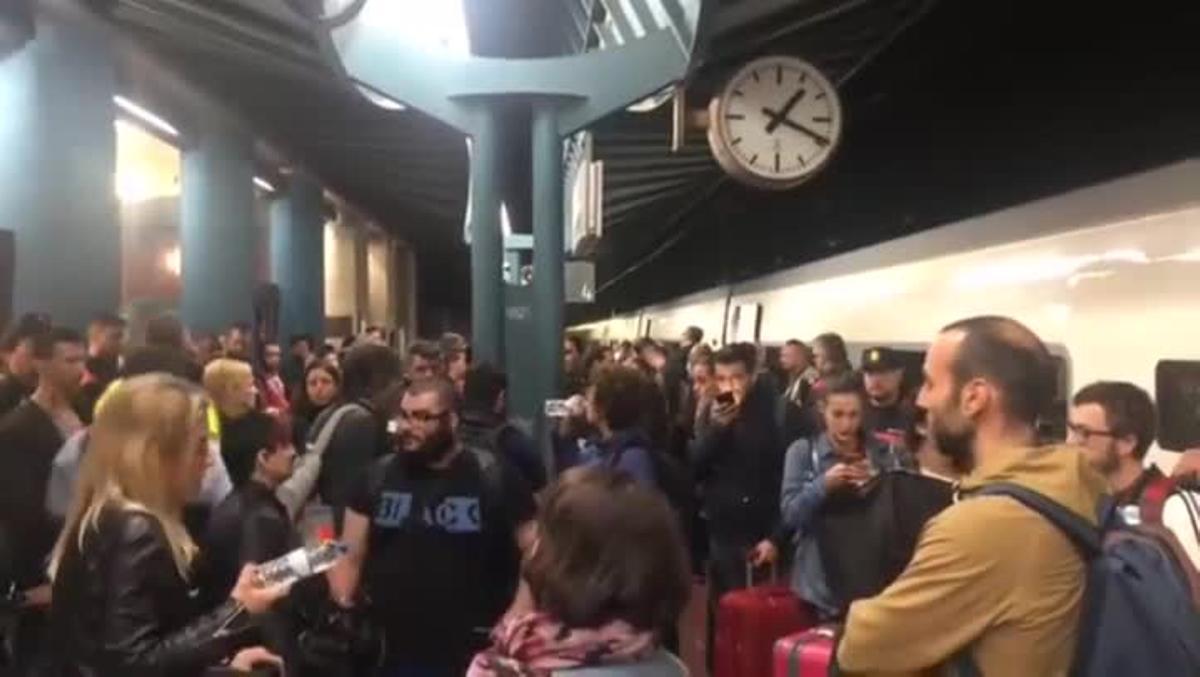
(1085, 433)
(422, 417)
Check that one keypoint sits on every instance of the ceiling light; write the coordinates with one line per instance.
(145, 116)
(263, 184)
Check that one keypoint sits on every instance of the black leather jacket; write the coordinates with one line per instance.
(121, 609)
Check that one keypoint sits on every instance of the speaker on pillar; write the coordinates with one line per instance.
(266, 314)
(16, 25)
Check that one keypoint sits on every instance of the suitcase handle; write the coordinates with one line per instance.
(750, 573)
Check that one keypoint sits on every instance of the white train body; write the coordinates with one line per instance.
(1108, 276)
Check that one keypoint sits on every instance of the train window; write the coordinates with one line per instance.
(1177, 391)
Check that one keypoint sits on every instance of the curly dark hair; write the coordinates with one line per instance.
(619, 393)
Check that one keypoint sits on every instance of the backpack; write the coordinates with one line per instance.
(1138, 617)
(674, 481)
(867, 538)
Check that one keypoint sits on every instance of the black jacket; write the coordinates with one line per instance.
(740, 468)
(488, 431)
(249, 526)
(12, 392)
(29, 441)
(121, 608)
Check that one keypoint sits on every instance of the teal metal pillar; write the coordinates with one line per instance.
(218, 235)
(487, 241)
(298, 256)
(548, 295)
(57, 163)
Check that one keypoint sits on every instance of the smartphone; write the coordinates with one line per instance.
(725, 399)
(556, 409)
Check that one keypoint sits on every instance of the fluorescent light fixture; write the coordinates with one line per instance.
(263, 184)
(145, 116)
(430, 25)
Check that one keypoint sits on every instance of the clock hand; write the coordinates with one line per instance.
(818, 138)
(775, 118)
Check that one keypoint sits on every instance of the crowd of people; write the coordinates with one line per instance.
(141, 486)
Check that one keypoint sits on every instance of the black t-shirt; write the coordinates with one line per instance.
(889, 425)
(442, 558)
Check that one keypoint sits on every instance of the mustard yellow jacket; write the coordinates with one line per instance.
(989, 576)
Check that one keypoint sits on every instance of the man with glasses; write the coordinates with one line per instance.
(1115, 424)
(433, 533)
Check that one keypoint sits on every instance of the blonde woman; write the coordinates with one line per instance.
(230, 386)
(121, 566)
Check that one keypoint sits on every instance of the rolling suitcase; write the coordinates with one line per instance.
(805, 654)
(748, 623)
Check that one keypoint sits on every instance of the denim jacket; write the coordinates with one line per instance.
(801, 497)
(634, 448)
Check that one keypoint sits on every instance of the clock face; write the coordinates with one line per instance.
(776, 123)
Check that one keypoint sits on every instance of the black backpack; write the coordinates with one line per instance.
(867, 538)
(674, 481)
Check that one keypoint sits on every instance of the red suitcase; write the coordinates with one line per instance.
(748, 623)
(805, 654)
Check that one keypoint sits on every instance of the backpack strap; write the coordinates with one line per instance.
(491, 474)
(298, 489)
(1193, 510)
(1087, 538)
(1154, 497)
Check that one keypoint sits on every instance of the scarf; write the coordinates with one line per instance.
(535, 645)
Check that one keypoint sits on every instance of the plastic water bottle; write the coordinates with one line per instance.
(302, 563)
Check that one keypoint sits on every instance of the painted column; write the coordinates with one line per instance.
(218, 234)
(298, 256)
(487, 243)
(57, 169)
(548, 287)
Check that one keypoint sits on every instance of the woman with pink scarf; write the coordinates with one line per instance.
(606, 573)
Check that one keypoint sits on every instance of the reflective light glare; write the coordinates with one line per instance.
(144, 115)
(263, 184)
(133, 186)
(381, 100)
(172, 261)
(1041, 269)
(429, 25)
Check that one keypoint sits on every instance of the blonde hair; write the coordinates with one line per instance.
(224, 380)
(141, 434)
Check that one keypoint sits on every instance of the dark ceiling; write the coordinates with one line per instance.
(979, 106)
(409, 171)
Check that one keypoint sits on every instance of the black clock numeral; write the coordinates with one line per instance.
(734, 116)
(777, 163)
(755, 75)
(823, 118)
(736, 141)
(754, 159)
(820, 96)
(801, 159)
(779, 75)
